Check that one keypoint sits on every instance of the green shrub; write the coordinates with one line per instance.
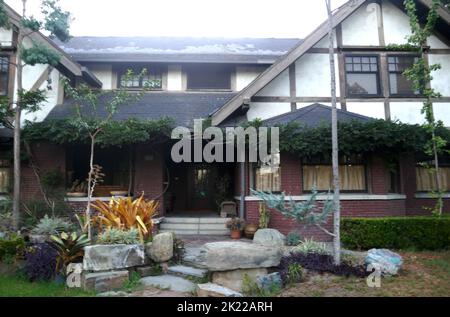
(51, 226)
(11, 246)
(293, 238)
(311, 246)
(118, 236)
(420, 233)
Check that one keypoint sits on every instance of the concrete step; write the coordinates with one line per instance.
(183, 270)
(195, 225)
(191, 220)
(192, 226)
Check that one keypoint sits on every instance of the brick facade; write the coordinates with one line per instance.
(149, 170)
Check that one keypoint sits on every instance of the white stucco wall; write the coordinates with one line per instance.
(323, 43)
(5, 37)
(245, 75)
(407, 112)
(397, 28)
(313, 76)
(265, 110)
(441, 77)
(104, 73)
(369, 109)
(52, 98)
(277, 87)
(361, 28)
(175, 78)
(442, 112)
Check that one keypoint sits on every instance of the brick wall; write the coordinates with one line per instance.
(291, 179)
(48, 157)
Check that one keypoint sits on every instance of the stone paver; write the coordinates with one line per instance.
(187, 271)
(169, 282)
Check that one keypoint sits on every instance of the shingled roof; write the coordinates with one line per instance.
(314, 115)
(177, 49)
(182, 107)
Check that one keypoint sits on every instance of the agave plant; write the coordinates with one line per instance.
(69, 247)
(126, 213)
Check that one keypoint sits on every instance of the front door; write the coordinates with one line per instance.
(201, 178)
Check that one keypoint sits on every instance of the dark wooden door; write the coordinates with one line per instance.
(201, 178)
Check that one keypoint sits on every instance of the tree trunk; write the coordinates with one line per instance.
(334, 137)
(17, 132)
(90, 187)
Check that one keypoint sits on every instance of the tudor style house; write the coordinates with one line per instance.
(232, 81)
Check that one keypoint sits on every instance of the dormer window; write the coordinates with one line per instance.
(4, 74)
(152, 79)
(208, 77)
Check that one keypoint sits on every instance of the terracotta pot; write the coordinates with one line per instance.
(235, 234)
(250, 230)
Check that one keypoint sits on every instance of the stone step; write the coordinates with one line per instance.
(183, 270)
(169, 282)
(192, 226)
(183, 220)
(180, 232)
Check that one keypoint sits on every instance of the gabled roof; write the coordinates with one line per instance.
(302, 47)
(182, 107)
(314, 115)
(283, 63)
(177, 49)
(65, 61)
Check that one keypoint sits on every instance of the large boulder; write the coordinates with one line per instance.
(234, 279)
(161, 248)
(227, 256)
(105, 281)
(214, 290)
(389, 262)
(269, 238)
(112, 257)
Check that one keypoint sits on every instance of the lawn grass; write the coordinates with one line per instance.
(424, 274)
(13, 286)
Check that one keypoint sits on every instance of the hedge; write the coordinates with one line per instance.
(420, 233)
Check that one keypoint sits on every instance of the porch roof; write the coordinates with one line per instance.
(314, 115)
(182, 107)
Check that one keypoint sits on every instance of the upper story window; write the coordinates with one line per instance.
(318, 173)
(214, 77)
(362, 75)
(4, 74)
(398, 84)
(152, 79)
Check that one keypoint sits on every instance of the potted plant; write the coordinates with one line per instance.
(235, 225)
(78, 189)
(250, 230)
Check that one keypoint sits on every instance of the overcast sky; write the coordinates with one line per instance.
(198, 18)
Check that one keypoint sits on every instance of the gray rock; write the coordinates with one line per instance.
(170, 282)
(387, 261)
(214, 290)
(105, 281)
(38, 238)
(234, 279)
(112, 257)
(270, 281)
(161, 248)
(187, 271)
(269, 238)
(227, 256)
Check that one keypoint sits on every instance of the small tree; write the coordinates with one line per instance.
(56, 22)
(419, 74)
(89, 118)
